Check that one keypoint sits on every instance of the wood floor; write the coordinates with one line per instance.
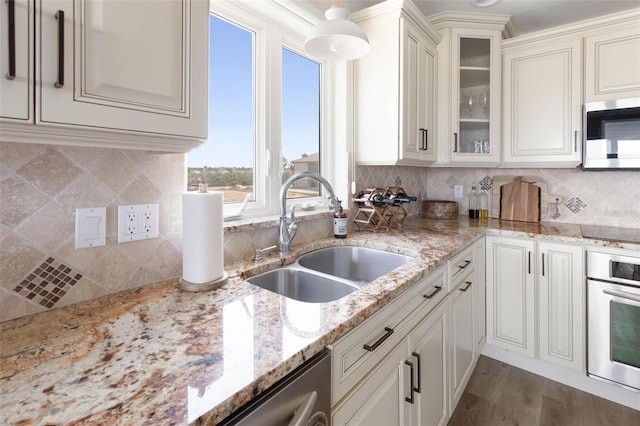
(500, 394)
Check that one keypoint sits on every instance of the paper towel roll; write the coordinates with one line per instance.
(202, 237)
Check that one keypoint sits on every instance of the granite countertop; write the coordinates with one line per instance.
(157, 355)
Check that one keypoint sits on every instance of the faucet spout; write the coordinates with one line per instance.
(288, 229)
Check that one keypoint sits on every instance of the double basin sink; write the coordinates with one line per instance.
(329, 274)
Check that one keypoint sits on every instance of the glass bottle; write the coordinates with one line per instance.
(484, 204)
(340, 222)
(473, 203)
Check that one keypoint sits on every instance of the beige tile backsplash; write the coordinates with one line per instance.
(42, 185)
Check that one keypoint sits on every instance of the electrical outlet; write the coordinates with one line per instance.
(138, 222)
(131, 223)
(457, 191)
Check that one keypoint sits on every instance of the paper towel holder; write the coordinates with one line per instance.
(198, 287)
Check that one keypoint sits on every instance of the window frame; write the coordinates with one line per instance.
(276, 28)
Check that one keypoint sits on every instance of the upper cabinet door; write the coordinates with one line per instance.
(418, 58)
(127, 65)
(475, 97)
(16, 66)
(612, 65)
(542, 112)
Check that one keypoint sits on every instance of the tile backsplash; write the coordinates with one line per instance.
(42, 185)
(594, 198)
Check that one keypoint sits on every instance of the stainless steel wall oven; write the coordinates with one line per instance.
(613, 304)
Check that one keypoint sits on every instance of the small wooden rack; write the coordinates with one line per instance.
(376, 217)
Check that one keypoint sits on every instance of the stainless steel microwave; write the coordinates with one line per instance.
(612, 135)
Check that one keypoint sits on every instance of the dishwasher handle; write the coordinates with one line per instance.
(304, 411)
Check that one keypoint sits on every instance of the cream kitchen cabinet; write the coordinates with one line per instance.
(542, 111)
(469, 96)
(428, 344)
(561, 294)
(536, 289)
(111, 73)
(394, 87)
(463, 344)
(391, 368)
(612, 63)
(511, 294)
(16, 56)
(466, 327)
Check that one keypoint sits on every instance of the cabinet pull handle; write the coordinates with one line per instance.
(468, 284)
(60, 17)
(455, 142)
(529, 262)
(389, 332)
(426, 139)
(11, 12)
(417, 355)
(543, 264)
(433, 293)
(409, 399)
(466, 263)
(575, 140)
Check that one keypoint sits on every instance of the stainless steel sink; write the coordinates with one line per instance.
(329, 274)
(302, 285)
(360, 265)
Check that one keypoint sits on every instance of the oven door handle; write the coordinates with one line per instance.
(304, 411)
(623, 294)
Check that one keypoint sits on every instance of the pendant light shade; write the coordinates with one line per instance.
(337, 38)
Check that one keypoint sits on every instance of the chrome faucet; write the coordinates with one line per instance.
(288, 229)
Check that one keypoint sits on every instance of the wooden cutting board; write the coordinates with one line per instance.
(520, 201)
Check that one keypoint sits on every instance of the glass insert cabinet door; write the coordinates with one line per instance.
(474, 77)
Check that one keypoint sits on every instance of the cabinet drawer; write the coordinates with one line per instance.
(460, 265)
(358, 352)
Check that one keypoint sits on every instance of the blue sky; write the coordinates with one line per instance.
(230, 98)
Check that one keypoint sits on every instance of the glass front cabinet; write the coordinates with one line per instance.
(469, 83)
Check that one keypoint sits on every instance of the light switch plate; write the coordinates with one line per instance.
(91, 227)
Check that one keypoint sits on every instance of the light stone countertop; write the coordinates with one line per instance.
(157, 355)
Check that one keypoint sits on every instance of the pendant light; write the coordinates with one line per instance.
(337, 38)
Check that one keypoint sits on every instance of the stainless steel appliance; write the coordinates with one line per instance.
(613, 327)
(612, 135)
(302, 398)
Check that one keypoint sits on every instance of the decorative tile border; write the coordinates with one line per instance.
(48, 283)
(575, 204)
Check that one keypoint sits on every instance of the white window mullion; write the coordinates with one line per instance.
(273, 103)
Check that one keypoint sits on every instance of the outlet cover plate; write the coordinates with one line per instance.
(138, 222)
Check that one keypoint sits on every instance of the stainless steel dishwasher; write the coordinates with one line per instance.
(302, 398)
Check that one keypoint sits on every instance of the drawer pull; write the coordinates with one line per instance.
(389, 332)
(60, 17)
(466, 263)
(409, 399)
(417, 355)
(433, 293)
(11, 12)
(465, 288)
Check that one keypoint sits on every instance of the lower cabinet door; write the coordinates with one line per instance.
(511, 294)
(463, 347)
(380, 399)
(561, 300)
(429, 353)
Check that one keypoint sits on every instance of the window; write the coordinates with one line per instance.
(264, 111)
(228, 154)
(300, 121)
